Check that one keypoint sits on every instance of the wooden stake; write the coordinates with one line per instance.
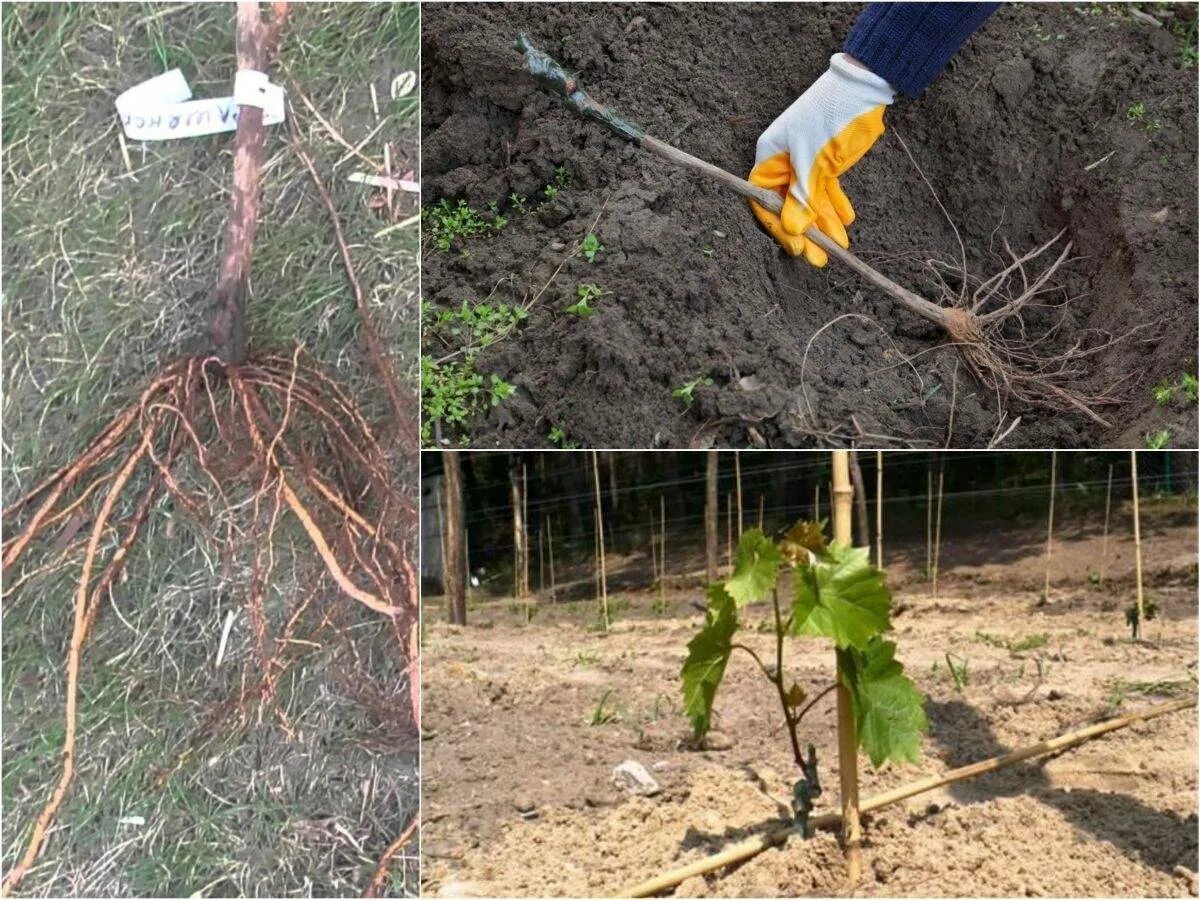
(847, 736)
(711, 501)
(1050, 523)
(653, 553)
(937, 526)
(761, 498)
(729, 530)
(737, 468)
(817, 502)
(879, 509)
(550, 545)
(525, 524)
(929, 523)
(779, 836)
(600, 538)
(541, 560)
(1137, 543)
(455, 553)
(1107, 509)
(662, 533)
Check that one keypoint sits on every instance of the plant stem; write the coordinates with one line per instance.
(778, 682)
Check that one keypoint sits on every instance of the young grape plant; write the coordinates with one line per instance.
(837, 594)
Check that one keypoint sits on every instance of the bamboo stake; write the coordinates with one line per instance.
(729, 529)
(929, 523)
(760, 511)
(817, 502)
(525, 525)
(1137, 544)
(600, 538)
(663, 553)
(737, 469)
(847, 737)
(879, 509)
(1107, 509)
(550, 545)
(778, 836)
(653, 552)
(937, 528)
(1050, 523)
(541, 560)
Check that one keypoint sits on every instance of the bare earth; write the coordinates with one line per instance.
(518, 797)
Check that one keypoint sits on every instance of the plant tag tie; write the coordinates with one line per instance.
(162, 108)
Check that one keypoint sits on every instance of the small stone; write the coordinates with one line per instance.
(719, 234)
(717, 741)
(632, 776)
(525, 808)
(557, 246)
(1055, 695)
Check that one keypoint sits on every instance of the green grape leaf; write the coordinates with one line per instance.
(889, 711)
(755, 569)
(795, 696)
(843, 597)
(708, 654)
(802, 538)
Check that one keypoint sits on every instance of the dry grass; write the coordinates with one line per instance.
(109, 262)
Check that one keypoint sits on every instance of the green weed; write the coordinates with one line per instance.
(687, 393)
(591, 246)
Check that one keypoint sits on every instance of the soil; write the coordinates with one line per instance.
(518, 792)
(1027, 132)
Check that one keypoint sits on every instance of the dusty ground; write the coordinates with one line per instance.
(1053, 117)
(510, 707)
(109, 261)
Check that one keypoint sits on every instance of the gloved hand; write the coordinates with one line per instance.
(816, 139)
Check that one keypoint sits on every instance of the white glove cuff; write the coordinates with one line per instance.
(860, 81)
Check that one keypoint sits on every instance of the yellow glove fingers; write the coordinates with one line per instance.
(841, 203)
(793, 244)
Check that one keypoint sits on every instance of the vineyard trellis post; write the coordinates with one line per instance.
(1104, 543)
(600, 544)
(1050, 524)
(1137, 544)
(454, 565)
(737, 468)
(711, 500)
(937, 525)
(842, 498)
(879, 509)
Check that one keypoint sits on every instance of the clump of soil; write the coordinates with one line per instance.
(518, 797)
(1033, 128)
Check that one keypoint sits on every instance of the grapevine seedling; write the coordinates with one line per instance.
(586, 293)
(1150, 609)
(591, 246)
(837, 594)
(1163, 392)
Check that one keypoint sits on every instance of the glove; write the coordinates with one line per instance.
(820, 136)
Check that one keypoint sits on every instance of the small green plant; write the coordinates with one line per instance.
(445, 221)
(1136, 114)
(602, 715)
(586, 293)
(451, 390)
(591, 246)
(559, 436)
(958, 671)
(518, 203)
(1093, 576)
(1189, 386)
(562, 177)
(1163, 391)
(550, 191)
(1116, 697)
(583, 659)
(1013, 644)
(1149, 608)
(659, 606)
(687, 393)
(837, 594)
(1156, 440)
(1188, 51)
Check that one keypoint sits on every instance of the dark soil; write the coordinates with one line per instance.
(1006, 135)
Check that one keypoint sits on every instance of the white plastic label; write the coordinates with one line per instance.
(162, 108)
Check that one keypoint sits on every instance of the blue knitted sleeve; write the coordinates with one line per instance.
(910, 43)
